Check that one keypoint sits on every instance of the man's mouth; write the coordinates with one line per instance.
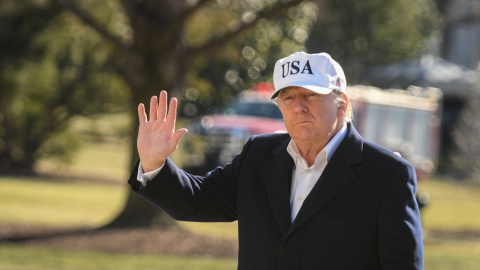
(303, 122)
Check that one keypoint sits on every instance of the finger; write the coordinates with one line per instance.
(142, 117)
(178, 135)
(162, 105)
(172, 112)
(153, 108)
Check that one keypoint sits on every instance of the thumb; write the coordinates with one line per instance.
(178, 135)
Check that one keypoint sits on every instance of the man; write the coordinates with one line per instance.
(319, 197)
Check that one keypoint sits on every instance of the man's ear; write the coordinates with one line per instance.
(343, 105)
(346, 102)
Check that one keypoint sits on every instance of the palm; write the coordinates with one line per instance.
(157, 138)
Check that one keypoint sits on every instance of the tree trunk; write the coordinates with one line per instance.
(140, 213)
(157, 58)
(146, 79)
(137, 211)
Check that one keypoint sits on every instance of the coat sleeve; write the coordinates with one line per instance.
(187, 197)
(400, 230)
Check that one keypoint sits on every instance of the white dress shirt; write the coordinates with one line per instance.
(303, 177)
(143, 177)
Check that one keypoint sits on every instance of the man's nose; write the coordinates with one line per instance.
(300, 105)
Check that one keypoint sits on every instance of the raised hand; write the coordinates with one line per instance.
(157, 138)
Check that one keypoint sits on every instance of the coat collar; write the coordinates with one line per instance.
(336, 176)
(278, 174)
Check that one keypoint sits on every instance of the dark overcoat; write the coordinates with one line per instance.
(361, 214)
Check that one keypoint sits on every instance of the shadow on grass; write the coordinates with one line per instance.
(175, 241)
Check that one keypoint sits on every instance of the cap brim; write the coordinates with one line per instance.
(306, 85)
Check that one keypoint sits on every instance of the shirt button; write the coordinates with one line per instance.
(300, 198)
(308, 171)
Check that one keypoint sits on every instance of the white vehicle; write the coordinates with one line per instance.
(404, 121)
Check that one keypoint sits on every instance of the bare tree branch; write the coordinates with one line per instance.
(157, 18)
(178, 22)
(193, 8)
(88, 20)
(219, 42)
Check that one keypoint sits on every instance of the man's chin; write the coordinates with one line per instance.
(304, 135)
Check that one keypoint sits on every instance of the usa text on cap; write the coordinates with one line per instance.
(315, 72)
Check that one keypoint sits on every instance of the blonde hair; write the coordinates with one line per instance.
(341, 98)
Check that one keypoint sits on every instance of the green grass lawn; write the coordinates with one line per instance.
(453, 205)
(46, 202)
(30, 201)
(453, 208)
(108, 161)
(452, 254)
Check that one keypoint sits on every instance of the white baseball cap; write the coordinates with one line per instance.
(315, 72)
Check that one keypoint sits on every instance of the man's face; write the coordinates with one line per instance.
(310, 117)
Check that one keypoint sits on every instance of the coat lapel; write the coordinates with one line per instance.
(278, 174)
(336, 176)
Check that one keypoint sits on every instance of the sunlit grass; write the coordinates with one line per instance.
(32, 201)
(35, 201)
(220, 229)
(448, 254)
(108, 161)
(104, 149)
(44, 202)
(453, 205)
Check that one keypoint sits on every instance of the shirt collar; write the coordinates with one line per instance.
(329, 149)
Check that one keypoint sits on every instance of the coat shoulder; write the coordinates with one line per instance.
(266, 145)
(369, 152)
(270, 140)
(383, 154)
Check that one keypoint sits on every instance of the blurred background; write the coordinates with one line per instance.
(73, 72)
